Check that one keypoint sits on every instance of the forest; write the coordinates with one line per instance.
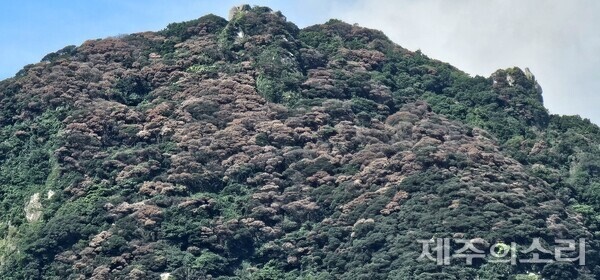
(249, 148)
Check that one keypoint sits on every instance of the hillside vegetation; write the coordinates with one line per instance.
(251, 149)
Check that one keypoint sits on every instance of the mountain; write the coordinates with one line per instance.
(251, 149)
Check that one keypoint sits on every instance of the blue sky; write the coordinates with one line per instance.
(558, 40)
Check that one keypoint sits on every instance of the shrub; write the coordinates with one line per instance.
(131, 90)
(268, 89)
(62, 53)
(210, 262)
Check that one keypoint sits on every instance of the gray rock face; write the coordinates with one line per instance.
(238, 9)
(528, 74)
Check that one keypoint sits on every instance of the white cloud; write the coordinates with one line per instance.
(557, 40)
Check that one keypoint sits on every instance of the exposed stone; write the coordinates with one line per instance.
(238, 9)
(33, 208)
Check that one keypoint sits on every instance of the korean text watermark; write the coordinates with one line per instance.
(440, 250)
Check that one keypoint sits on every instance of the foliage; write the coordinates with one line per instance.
(252, 149)
(182, 31)
(131, 90)
(62, 53)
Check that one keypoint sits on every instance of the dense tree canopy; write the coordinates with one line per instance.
(252, 149)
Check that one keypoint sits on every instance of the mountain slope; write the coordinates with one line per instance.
(251, 149)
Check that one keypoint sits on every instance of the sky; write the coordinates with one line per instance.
(558, 41)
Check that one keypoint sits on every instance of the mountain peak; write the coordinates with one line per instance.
(259, 20)
(234, 11)
(514, 76)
